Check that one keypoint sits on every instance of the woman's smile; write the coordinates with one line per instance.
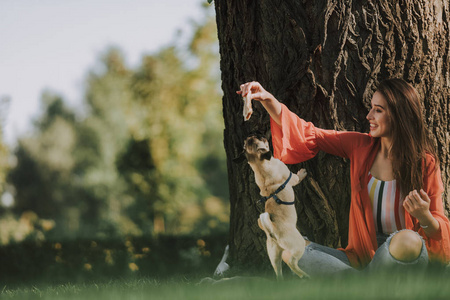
(378, 117)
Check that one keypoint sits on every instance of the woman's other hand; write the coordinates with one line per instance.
(418, 205)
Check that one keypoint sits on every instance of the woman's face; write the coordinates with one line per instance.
(378, 117)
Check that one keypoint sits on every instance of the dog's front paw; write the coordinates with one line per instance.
(302, 174)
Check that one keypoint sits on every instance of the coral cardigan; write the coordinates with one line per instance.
(297, 141)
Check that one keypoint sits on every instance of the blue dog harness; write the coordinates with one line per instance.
(263, 200)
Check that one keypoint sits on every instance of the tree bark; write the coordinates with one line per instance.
(324, 60)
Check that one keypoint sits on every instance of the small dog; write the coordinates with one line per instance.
(275, 181)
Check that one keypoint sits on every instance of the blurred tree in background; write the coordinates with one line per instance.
(4, 151)
(145, 156)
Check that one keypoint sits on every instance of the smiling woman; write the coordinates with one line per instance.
(399, 148)
(410, 140)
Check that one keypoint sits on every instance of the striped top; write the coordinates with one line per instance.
(388, 211)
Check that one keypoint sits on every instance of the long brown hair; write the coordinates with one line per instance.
(410, 139)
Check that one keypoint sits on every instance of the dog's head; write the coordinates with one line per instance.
(256, 147)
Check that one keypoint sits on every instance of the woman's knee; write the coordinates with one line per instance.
(406, 246)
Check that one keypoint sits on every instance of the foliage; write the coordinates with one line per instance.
(145, 156)
(27, 227)
(83, 260)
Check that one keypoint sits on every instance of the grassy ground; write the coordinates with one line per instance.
(390, 285)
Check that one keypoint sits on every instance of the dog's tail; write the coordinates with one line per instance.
(266, 223)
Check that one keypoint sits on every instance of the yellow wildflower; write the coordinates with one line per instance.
(87, 267)
(133, 267)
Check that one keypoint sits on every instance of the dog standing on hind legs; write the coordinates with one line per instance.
(275, 181)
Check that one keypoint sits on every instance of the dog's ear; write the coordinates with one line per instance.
(240, 158)
(266, 155)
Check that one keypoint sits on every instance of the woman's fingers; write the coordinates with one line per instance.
(413, 197)
(424, 196)
(411, 201)
(421, 199)
(406, 204)
(245, 88)
(248, 88)
(416, 204)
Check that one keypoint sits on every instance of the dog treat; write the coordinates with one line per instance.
(248, 110)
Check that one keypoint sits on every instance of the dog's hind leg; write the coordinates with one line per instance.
(292, 262)
(293, 249)
(274, 252)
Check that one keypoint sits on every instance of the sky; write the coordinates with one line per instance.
(52, 45)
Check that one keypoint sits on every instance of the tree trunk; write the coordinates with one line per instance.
(324, 59)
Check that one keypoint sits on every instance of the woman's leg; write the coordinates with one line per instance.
(402, 248)
(321, 260)
(406, 246)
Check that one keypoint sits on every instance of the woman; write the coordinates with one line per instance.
(396, 213)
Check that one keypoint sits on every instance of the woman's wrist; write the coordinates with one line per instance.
(426, 220)
(428, 223)
(268, 97)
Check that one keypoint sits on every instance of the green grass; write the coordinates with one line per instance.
(393, 285)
